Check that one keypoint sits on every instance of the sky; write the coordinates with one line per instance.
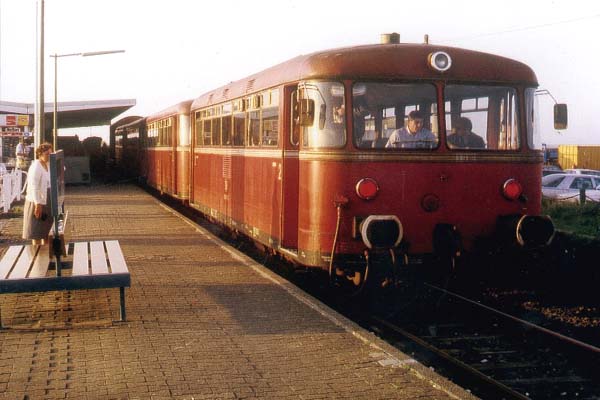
(178, 49)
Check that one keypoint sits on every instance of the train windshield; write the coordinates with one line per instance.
(395, 115)
(326, 127)
(481, 117)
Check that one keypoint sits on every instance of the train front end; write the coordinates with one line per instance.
(435, 160)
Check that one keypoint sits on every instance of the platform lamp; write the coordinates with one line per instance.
(56, 57)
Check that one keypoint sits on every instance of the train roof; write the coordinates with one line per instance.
(125, 120)
(132, 123)
(177, 109)
(379, 61)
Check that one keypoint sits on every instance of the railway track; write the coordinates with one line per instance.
(492, 353)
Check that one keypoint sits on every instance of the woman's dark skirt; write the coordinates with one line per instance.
(34, 228)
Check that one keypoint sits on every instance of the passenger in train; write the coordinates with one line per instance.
(462, 137)
(37, 218)
(413, 135)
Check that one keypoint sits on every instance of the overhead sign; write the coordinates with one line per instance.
(14, 120)
(11, 130)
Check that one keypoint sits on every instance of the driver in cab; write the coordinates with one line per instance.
(413, 135)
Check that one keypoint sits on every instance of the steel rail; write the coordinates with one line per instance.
(521, 321)
(447, 357)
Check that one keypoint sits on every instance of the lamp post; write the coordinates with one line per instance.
(56, 57)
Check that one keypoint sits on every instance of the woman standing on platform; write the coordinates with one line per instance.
(37, 216)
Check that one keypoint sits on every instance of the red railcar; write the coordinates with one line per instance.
(168, 150)
(301, 157)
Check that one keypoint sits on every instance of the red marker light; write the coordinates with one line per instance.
(512, 189)
(367, 188)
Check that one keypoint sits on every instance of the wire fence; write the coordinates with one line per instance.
(582, 195)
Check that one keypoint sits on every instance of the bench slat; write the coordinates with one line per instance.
(24, 262)
(8, 260)
(98, 258)
(80, 259)
(115, 256)
(40, 265)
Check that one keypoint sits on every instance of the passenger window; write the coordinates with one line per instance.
(207, 132)
(254, 128)
(226, 130)
(239, 129)
(270, 121)
(216, 136)
(327, 126)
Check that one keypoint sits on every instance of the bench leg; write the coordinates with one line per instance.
(122, 311)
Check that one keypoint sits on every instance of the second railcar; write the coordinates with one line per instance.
(168, 150)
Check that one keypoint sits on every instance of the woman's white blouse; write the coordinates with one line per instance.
(38, 182)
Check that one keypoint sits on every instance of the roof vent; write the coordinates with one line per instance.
(390, 38)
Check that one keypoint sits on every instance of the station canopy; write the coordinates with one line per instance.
(73, 114)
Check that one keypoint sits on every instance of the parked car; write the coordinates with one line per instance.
(566, 187)
(551, 169)
(582, 171)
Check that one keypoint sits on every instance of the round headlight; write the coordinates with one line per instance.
(440, 61)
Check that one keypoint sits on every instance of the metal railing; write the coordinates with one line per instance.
(11, 187)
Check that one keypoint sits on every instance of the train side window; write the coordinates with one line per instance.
(239, 129)
(198, 131)
(226, 130)
(216, 134)
(270, 126)
(254, 128)
(294, 119)
(207, 132)
(325, 101)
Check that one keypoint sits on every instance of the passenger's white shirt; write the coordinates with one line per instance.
(20, 149)
(38, 182)
(403, 138)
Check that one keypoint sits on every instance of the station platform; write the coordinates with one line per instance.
(203, 322)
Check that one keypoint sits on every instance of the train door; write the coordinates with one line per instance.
(172, 170)
(290, 170)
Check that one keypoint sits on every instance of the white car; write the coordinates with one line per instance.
(567, 186)
(580, 171)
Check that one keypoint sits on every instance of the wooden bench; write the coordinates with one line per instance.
(94, 265)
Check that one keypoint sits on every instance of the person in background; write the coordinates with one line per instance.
(462, 137)
(413, 135)
(21, 154)
(37, 218)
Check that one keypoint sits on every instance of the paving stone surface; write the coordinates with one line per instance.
(203, 322)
